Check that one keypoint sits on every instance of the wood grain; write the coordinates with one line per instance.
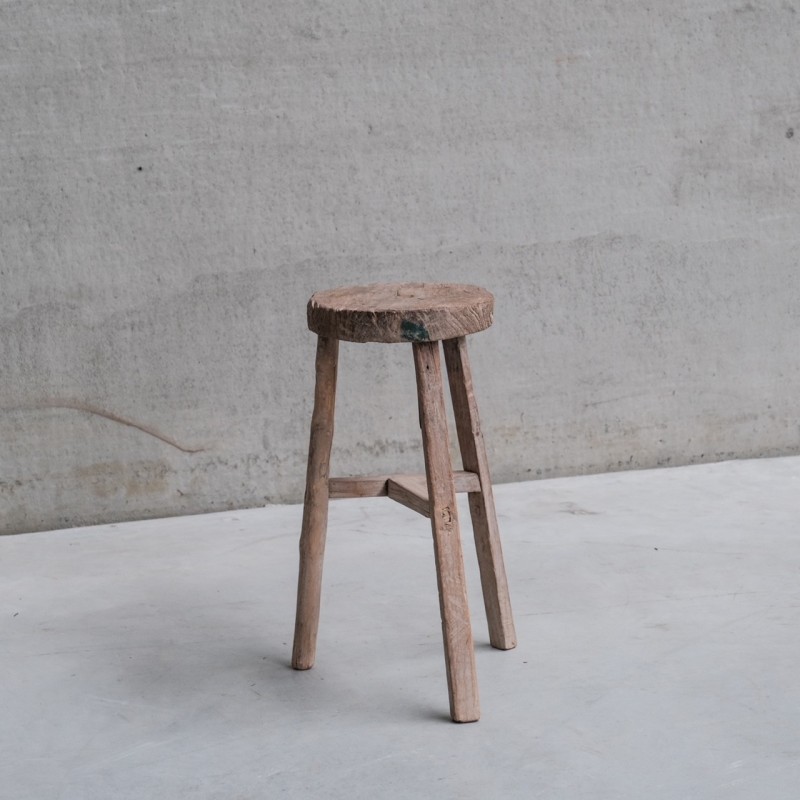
(400, 312)
(358, 486)
(481, 503)
(315, 508)
(376, 485)
(412, 492)
(462, 680)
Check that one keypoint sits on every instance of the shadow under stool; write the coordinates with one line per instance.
(422, 314)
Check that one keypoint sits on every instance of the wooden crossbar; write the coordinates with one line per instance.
(410, 491)
(361, 486)
(404, 486)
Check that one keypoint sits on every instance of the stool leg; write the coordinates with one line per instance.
(315, 508)
(462, 682)
(481, 504)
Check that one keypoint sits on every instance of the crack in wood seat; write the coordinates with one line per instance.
(422, 314)
(400, 312)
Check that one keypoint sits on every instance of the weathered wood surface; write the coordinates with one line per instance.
(358, 486)
(376, 485)
(400, 312)
(315, 508)
(481, 503)
(462, 682)
(412, 492)
(421, 314)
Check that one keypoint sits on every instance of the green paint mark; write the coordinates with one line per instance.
(413, 332)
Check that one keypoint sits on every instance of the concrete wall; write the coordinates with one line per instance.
(178, 177)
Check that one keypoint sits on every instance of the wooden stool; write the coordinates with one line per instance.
(422, 314)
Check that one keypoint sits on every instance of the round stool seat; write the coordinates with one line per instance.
(400, 312)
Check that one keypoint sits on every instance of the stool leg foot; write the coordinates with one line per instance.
(459, 653)
(481, 504)
(315, 508)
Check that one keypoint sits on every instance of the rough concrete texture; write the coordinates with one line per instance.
(179, 177)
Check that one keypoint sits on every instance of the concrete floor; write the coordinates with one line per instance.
(658, 616)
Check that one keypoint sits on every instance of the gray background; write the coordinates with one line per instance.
(179, 177)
